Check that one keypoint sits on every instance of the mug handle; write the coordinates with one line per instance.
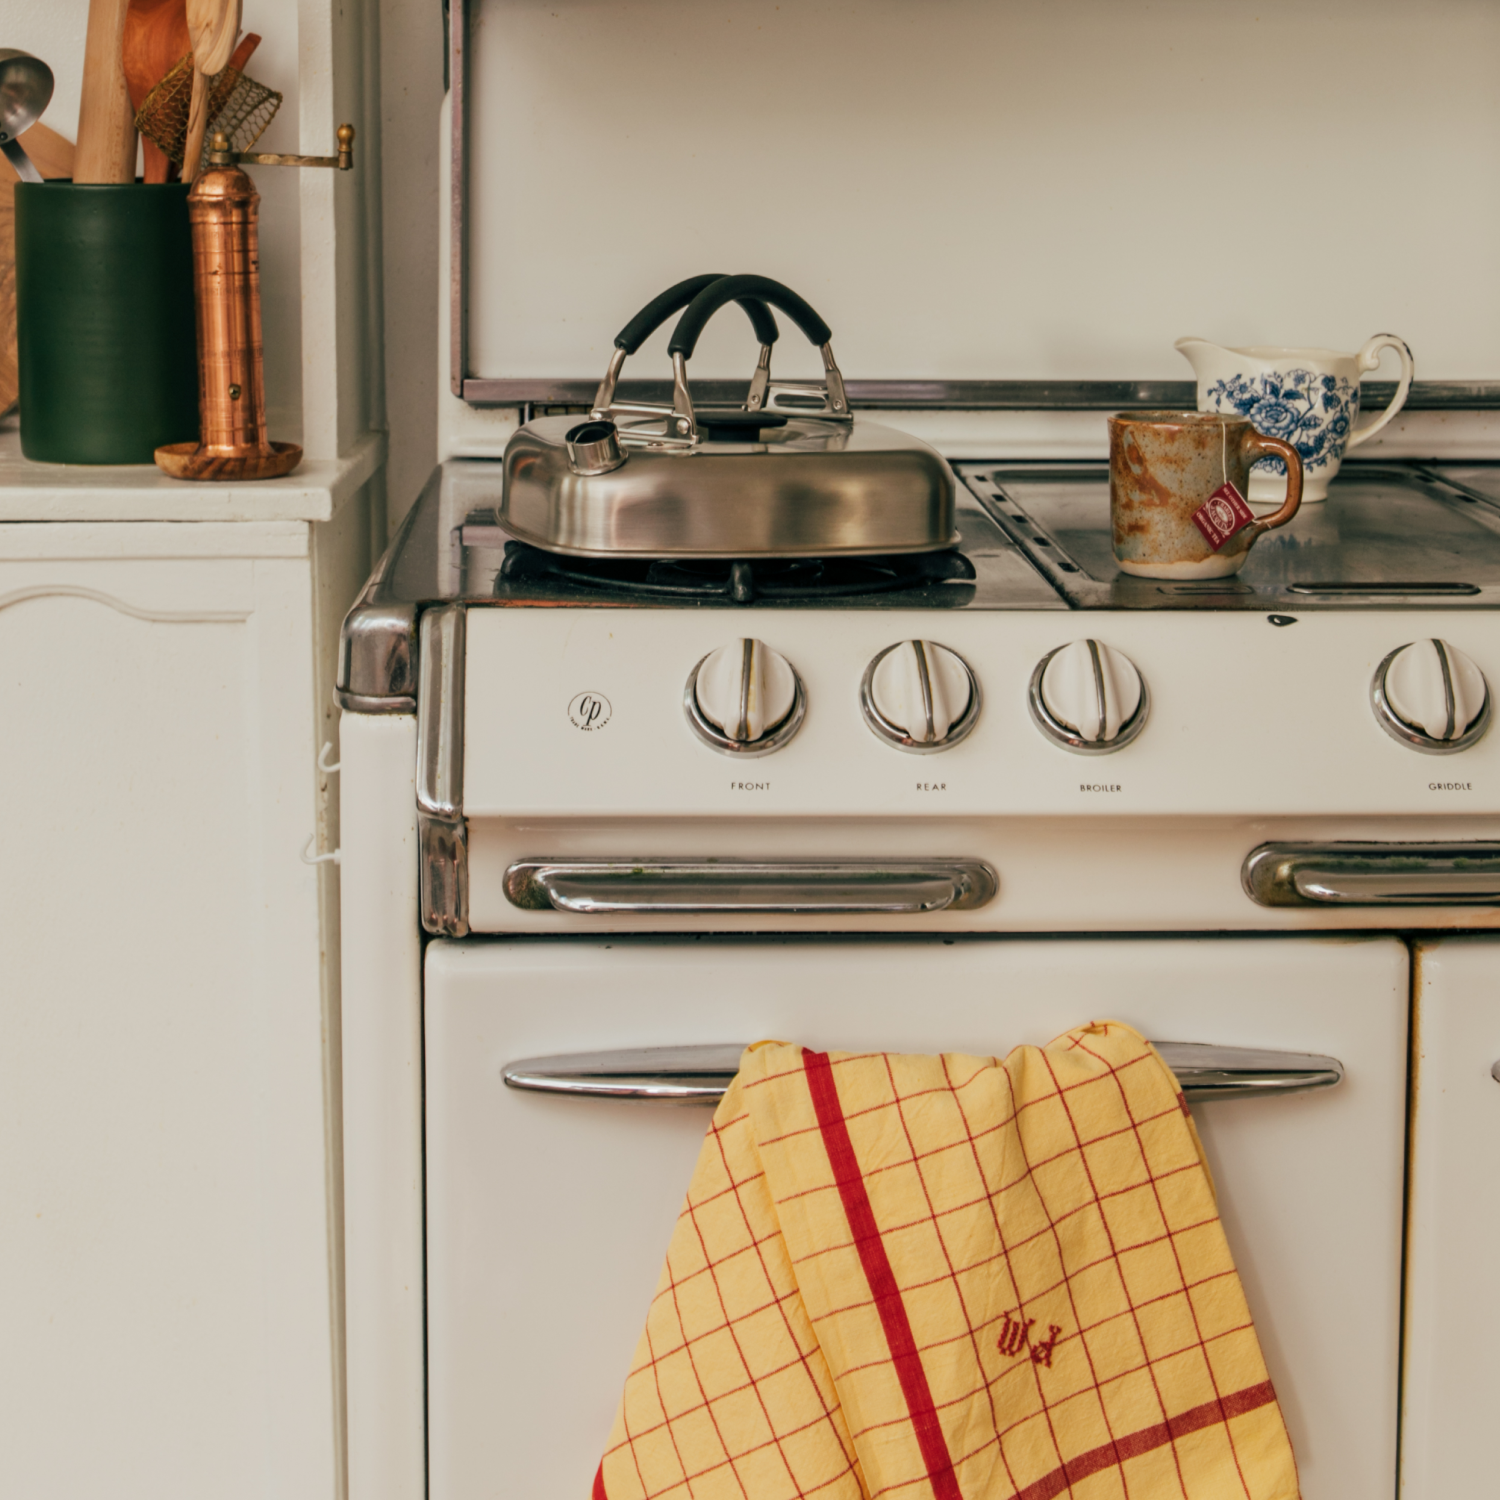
(1256, 445)
(1365, 361)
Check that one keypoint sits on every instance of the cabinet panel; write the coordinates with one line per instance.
(1452, 1382)
(166, 1169)
(127, 1056)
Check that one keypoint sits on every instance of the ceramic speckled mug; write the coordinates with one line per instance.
(1166, 465)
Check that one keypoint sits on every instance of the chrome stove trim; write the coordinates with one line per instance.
(440, 714)
(949, 395)
(376, 671)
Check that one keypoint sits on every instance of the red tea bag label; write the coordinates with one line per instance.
(1222, 515)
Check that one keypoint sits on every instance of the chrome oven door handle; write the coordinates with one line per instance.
(700, 1074)
(1372, 874)
(645, 886)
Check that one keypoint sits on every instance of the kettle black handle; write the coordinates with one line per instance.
(659, 309)
(734, 289)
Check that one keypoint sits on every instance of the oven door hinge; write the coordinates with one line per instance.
(442, 831)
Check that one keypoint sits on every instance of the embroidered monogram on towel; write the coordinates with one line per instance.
(950, 1277)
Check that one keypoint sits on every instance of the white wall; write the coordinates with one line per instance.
(411, 96)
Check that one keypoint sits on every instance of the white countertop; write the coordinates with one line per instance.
(141, 492)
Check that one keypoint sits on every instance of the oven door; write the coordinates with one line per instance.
(549, 1214)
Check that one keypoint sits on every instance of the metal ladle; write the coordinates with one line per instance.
(25, 92)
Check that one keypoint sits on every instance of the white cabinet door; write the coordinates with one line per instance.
(167, 1327)
(548, 1217)
(1452, 1386)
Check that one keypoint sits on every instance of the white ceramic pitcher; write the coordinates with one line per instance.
(1307, 397)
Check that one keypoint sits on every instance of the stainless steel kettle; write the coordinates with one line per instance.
(791, 473)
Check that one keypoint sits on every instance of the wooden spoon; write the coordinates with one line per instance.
(213, 26)
(106, 122)
(156, 39)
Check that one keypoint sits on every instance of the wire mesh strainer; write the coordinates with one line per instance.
(237, 105)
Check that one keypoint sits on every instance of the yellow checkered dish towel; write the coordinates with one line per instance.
(954, 1277)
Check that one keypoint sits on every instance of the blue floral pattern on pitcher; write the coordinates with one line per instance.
(1314, 413)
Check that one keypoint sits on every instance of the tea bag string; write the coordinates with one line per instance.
(1224, 448)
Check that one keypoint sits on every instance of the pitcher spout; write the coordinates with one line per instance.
(1203, 355)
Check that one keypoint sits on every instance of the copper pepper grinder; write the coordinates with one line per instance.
(223, 209)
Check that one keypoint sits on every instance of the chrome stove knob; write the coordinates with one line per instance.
(745, 699)
(1431, 697)
(920, 696)
(1088, 697)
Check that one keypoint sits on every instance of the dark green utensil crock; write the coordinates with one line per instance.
(104, 321)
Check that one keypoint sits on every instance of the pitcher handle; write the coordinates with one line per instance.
(1365, 361)
(1256, 445)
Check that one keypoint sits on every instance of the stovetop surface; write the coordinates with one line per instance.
(1388, 536)
(1032, 536)
(453, 547)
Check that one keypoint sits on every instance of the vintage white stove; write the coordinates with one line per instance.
(535, 759)
(957, 800)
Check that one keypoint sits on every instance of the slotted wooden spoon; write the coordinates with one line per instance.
(213, 26)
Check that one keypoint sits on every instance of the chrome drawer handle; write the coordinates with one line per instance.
(1371, 874)
(607, 887)
(700, 1074)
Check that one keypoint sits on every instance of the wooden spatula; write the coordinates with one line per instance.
(156, 38)
(213, 26)
(106, 122)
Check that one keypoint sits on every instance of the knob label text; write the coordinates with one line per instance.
(749, 786)
(1098, 786)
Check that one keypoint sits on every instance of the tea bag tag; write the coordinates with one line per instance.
(1222, 515)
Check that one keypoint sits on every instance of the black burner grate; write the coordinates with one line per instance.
(707, 579)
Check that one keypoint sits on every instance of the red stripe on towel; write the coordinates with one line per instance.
(1148, 1438)
(882, 1279)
